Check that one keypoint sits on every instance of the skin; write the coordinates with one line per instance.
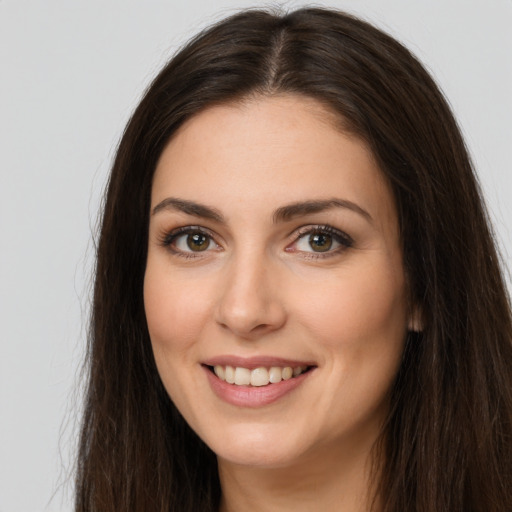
(261, 288)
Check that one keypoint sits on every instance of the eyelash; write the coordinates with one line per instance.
(170, 238)
(345, 241)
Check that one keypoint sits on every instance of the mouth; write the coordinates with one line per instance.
(257, 377)
(255, 382)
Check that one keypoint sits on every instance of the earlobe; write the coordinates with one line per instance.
(415, 322)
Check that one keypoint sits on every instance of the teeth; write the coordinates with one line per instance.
(230, 374)
(257, 377)
(276, 374)
(287, 373)
(219, 371)
(242, 376)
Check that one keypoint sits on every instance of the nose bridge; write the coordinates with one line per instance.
(250, 304)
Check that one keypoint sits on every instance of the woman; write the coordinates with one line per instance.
(298, 301)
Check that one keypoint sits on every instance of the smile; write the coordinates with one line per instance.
(255, 382)
(257, 377)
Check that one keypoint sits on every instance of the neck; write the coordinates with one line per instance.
(331, 481)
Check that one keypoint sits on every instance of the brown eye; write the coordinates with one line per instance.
(320, 242)
(198, 242)
(189, 240)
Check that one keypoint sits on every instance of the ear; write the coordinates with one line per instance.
(416, 322)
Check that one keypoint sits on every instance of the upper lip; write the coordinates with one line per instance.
(255, 362)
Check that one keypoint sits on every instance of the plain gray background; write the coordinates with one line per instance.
(71, 73)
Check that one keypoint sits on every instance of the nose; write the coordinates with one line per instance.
(250, 304)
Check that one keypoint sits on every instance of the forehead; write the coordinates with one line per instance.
(269, 151)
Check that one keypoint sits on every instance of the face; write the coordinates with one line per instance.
(274, 250)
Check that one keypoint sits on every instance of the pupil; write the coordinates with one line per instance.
(197, 242)
(320, 242)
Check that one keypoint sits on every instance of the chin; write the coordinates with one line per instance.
(247, 456)
(257, 448)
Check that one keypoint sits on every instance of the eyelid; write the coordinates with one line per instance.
(345, 240)
(322, 228)
(169, 237)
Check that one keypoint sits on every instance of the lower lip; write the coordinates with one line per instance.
(253, 396)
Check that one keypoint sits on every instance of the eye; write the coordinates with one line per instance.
(321, 239)
(319, 242)
(189, 240)
(195, 242)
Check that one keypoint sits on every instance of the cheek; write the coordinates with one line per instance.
(358, 312)
(175, 311)
(360, 325)
(175, 318)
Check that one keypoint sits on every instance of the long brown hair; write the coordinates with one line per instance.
(447, 444)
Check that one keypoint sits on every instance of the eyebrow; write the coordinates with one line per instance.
(282, 214)
(302, 208)
(190, 208)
